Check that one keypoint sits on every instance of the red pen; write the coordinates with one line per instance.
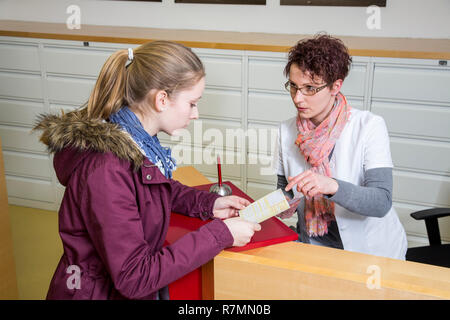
(219, 171)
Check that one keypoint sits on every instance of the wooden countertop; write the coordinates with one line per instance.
(293, 270)
(190, 176)
(359, 46)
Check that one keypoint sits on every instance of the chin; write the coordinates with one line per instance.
(304, 114)
(179, 132)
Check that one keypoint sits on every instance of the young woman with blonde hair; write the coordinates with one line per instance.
(119, 194)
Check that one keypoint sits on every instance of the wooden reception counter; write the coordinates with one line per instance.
(301, 271)
(294, 270)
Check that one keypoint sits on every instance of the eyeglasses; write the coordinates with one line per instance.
(306, 90)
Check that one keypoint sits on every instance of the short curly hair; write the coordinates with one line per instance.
(321, 56)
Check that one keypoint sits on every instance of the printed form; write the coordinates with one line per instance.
(266, 207)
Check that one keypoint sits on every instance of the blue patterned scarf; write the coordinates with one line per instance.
(155, 152)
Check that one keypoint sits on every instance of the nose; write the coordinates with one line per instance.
(299, 97)
(194, 113)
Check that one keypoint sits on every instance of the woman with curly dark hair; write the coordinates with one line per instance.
(337, 157)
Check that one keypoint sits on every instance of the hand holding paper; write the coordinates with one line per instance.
(268, 206)
(241, 230)
(228, 206)
(293, 204)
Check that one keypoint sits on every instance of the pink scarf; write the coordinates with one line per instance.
(315, 144)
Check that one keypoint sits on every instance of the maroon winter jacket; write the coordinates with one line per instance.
(115, 213)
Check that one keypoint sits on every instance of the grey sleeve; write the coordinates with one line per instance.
(372, 199)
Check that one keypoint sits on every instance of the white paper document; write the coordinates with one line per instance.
(266, 207)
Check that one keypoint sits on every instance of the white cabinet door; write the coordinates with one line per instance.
(74, 61)
(417, 83)
(19, 56)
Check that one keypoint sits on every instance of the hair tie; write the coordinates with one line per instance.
(130, 54)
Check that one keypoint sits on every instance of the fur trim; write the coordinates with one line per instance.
(75, 129)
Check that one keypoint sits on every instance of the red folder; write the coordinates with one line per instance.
(189, 287)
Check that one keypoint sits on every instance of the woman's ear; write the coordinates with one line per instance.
(336, 87)
(161, 100)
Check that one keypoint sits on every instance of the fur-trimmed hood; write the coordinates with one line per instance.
(76, 135)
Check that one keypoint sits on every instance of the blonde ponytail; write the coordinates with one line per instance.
(108, 93)
(161, 65)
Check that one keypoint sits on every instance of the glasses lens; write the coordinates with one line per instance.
(308, 90)
(292, 88)
(287, 86)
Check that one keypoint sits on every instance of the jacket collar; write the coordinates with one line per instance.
(72, 137)
(75, 130)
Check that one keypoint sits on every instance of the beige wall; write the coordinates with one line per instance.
(400, 18)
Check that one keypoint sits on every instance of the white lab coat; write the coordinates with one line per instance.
(363, 145)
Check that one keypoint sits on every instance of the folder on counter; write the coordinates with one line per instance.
(272, 230)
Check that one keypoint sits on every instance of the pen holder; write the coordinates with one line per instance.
(223, 189)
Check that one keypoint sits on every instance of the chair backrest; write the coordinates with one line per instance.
(431, 217)
(434, 236)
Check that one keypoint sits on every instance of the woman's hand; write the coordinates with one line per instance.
(229, 206)
(241, 230)
(289, 212)
(311, 184)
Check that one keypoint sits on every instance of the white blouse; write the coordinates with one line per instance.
(363, 145)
